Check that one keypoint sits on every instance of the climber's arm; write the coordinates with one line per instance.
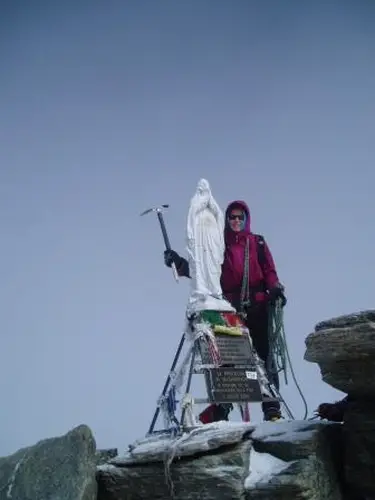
(269, 269)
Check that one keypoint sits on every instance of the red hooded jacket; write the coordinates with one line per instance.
(260, 280)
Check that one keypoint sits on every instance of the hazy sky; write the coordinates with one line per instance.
(108, 108)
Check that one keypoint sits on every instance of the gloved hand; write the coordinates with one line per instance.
(170, 257)
(277, 292)
(331, 411)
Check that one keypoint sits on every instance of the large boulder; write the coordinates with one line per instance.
(212, 458)
(297, 459)
(344, 349)
(59, 468)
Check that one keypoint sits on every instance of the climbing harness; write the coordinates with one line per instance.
(245, 301)
(245, 290)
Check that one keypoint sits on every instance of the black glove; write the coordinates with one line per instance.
(331, 411)
(276, 293)
(182, 265)
(172, 257)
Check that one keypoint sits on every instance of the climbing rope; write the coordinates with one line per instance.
(279, 353)
(277, 359)
(245, 291)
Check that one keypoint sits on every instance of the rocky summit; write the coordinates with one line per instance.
(226, 460)
(311, 460)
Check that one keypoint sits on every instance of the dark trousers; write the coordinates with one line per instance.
(257, 322)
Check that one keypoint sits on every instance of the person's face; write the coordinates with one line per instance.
(236, 218)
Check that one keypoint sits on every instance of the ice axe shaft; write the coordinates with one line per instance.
(166, 241)
(164, 233)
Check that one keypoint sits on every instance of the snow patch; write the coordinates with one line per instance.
(263, 467)
(14, 475)
(294, 430)
(109, 468)
(203, 438)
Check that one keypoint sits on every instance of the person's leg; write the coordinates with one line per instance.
(215, 413)
(257, 322)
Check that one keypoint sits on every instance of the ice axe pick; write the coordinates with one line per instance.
(159, 213)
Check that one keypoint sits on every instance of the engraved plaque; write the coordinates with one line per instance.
(233, 350)
(233, 385)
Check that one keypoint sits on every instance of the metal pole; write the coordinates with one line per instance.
(188, 384)
(177, 355)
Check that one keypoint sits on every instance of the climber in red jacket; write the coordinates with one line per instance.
(249, 281)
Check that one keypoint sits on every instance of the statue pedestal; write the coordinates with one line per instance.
(228, 361)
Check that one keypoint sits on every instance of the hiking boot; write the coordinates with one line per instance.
(275, 419)
(272, 415)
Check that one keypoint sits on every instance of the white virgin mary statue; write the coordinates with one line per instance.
(205, 248)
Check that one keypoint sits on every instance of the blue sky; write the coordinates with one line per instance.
(110, 108)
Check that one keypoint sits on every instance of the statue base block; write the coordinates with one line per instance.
(233, 385)
(228, 361)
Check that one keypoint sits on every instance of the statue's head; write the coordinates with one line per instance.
(204, 199)
(203, 187)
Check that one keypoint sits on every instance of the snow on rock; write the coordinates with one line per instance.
(201, 439)
(292, 429)
(287, 440)
(197, 465)
(228, 460)
(295, 459)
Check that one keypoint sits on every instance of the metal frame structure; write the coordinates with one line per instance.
(202, 370)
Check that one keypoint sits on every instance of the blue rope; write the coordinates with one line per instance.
(171, 408)
(171, 401)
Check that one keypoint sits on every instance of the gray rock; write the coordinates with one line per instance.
(305, 479)
(103, 456)
(211, 463)
(344, 349)
(290, 441)
(208, 477)
(231, 461)
(359, 439)
(295, 460)
(347, 320)
(60, 468)
(204, 438)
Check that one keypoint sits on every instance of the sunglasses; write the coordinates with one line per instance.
(237, 216)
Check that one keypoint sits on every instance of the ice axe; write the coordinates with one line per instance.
(159, 213)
